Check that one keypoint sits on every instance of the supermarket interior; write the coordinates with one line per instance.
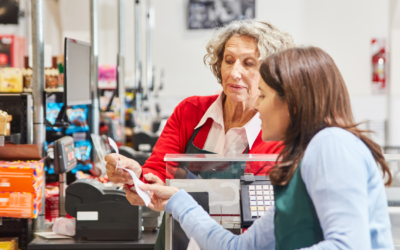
(199, 124)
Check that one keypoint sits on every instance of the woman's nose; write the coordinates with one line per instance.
(236, 72)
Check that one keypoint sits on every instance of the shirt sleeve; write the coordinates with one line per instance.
(335, 173)
(210, 235)
(168, 142)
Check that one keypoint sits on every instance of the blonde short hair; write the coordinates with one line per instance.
(269, 40)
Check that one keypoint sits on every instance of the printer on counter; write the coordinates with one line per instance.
(102, 213)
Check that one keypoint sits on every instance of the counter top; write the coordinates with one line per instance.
(146, 242)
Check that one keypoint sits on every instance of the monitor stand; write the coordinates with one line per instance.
(60, 119)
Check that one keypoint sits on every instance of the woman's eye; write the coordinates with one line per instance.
(228, 62)
(249, 64)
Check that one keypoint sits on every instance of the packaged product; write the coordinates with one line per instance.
(52, 110)
(21, 181)
(77, 119)
(11, 80)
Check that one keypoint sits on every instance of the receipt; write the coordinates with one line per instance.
(145, 195)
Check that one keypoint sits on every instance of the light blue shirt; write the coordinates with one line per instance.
(345, 185)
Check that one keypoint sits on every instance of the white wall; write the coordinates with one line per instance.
(343, 28)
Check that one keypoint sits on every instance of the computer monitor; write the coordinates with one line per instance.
(77, 82)
(77, 58)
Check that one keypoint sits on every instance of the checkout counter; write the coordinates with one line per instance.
(217, 182)
(104, 217)
(226, 186)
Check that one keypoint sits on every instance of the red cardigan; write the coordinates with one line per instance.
(179, 129)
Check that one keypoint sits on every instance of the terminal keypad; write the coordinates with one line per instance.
(261, 199)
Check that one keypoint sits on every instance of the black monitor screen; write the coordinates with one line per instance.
(77, 72)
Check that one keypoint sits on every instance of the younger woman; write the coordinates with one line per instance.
(329, 192)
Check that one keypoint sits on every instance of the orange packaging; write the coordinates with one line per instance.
(20, 205)
(21, 188)
(22, 176)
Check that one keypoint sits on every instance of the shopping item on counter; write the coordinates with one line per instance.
(11, 80)
(65, 226)
(9, 243)
(52, 110)
(78, 119)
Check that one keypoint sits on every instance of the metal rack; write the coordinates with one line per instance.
(20, 107)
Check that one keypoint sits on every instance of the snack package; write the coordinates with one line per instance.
(78, 119)
(82, 153)
(83, 150)
(11, 80)
(52, 110)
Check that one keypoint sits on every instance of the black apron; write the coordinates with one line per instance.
(192, 149)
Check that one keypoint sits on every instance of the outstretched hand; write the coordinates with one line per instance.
(133, 197)
(159, 195)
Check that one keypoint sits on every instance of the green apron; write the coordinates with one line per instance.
(190, 149)
(296, 221)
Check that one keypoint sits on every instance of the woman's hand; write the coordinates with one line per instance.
(159, 195)
(132, 195)
(119, 175)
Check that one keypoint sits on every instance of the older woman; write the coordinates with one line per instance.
(222, 124)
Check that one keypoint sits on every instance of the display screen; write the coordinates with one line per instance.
(77, 70)
(70, 152)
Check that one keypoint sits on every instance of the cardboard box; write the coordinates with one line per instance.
(22, 176)
(20, 205)
(21, 185)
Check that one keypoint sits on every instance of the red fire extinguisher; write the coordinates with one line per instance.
(379, 67)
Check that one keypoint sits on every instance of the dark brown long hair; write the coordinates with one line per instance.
(311, 84)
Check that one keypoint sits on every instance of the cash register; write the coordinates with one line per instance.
(102, 213)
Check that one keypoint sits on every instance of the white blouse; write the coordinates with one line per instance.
(236, 140)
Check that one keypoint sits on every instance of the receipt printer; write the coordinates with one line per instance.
(102, 213)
